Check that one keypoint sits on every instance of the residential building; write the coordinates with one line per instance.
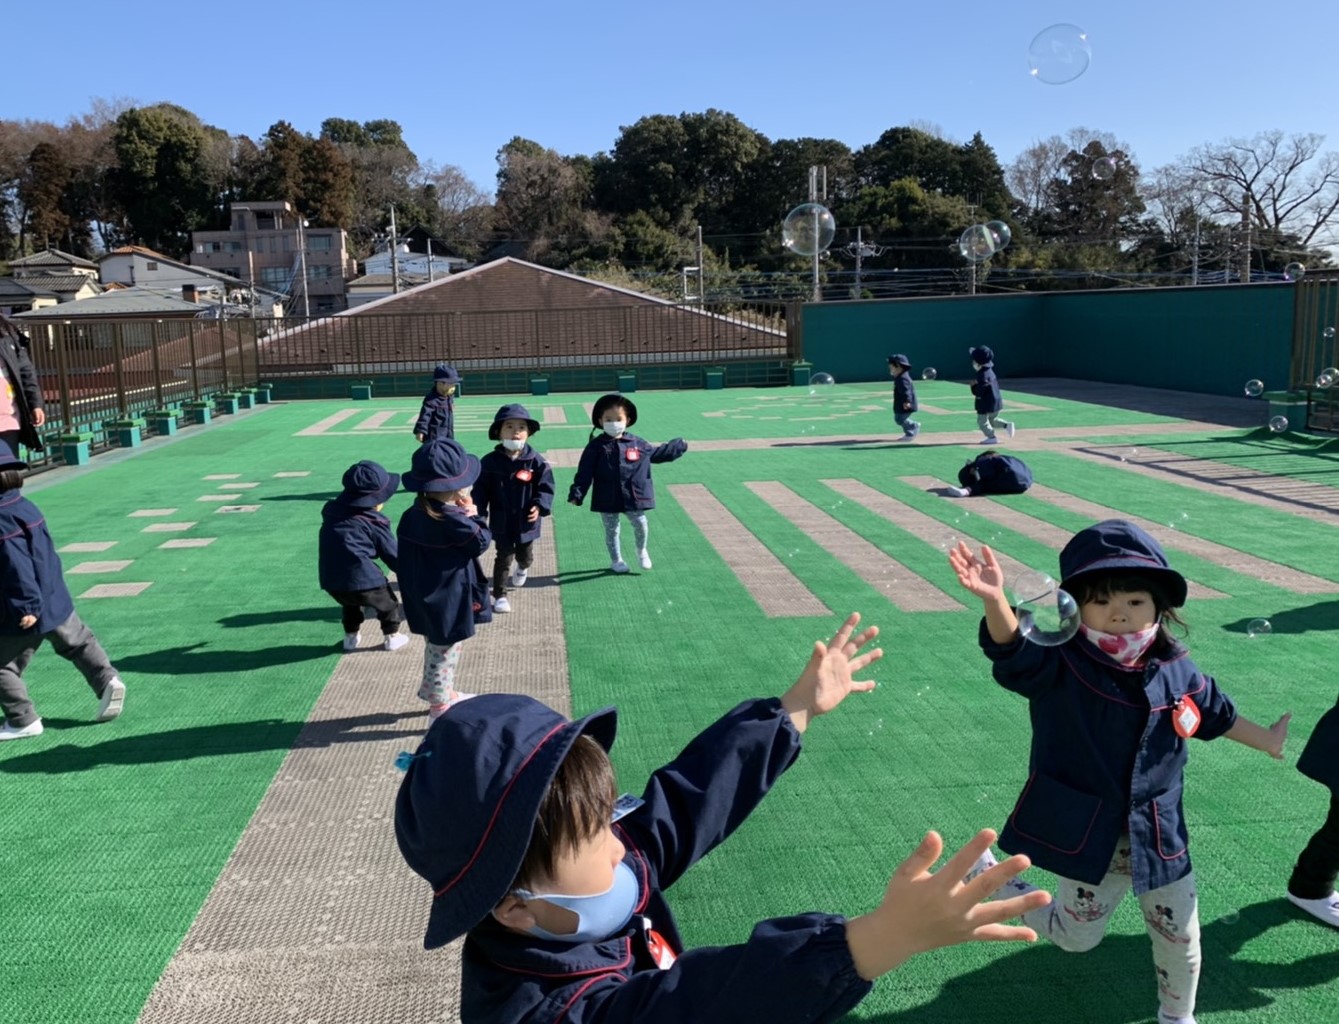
(52, 261)
(137, 267)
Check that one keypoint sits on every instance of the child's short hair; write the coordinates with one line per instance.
(1094, 586)
(577, 805)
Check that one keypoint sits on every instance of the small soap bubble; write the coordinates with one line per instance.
(876, 727)
(1327, 377)
(808, 229)
(1278, 424)
(948, 543)
(929, 373)
(1230, 917)
(1129, 455)
(1049, 621)
(1059, 54)
(976, 244)
(1328, 332)
(1179, 520)
(1104, 168)
(1254, 388)
(1294, 272)
(1258, 627)
(820, 380)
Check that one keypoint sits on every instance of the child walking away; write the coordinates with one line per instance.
(37, 606)
(1312, 886)
(437, 418)
(508, 811)
(514, 491)
(616, 467)
(441, 536)
(989, 402)
(1111, 709)
(354, 534)
(904, 396)
(992, 473)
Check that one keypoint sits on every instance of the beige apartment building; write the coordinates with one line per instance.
(265, 247)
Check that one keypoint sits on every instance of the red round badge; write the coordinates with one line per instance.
(524, 475)
(633, 455)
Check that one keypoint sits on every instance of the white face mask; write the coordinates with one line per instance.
(1124, 648)
(614, 428)
(513, 444)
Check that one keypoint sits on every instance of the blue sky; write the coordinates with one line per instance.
(462, 79)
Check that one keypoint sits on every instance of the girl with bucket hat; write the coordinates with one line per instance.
(441, 536)
(514, 493)
(616, 468)
(437, 417)
(354, 534)
(1112, 709)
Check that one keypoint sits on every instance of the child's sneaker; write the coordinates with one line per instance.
(1324, 909)
(904, 437)
(1009, 429)
(644, 559)
(990, 440)
(394, 641)
(501, 604)
(618, 565)
(113, 698)
(438, 710)
(351, 641)
(519, 576)
(10, 732)
(1166, 1018)
(957, 492)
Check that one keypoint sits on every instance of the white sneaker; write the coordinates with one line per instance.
(1009, 429)
(619, 566)
(9, 732)
(1166, 1018)
(957, 492)
(394, 641)
(113, 699)
(501, 604)
(519, 576)
(1324, 909)
(989, 440)
(351, 641)
(644, 559)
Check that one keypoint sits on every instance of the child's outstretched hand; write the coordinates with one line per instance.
(826, 680)
(1278, 736)
(980, 575)
(923, 911)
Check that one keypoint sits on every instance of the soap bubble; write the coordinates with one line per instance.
(929, 373)
(1050, 620)
(976, 244)
(1230, 917)
(1328, 332)
(999, 231)
(1129, 455)
(1104, 168)
(808, 229)
(1294, 272)
(821, 380)
(1030, 585)
(1278, 424)
(1327, 377)
(1178, 520)
(1258, 628)
(1255, 388)
(1059, 54)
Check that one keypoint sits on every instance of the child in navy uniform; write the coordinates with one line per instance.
(904, 396)
(1312, 886)
(437, 418)
(992, 473)
(515, 490)
(354, 534)
(989, 402)
(36, 606)
(617, 465)
(1111, 711)
(508, 811)
(441, 536)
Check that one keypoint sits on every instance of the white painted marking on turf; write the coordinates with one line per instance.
(237, 508)
(88, 545)
(116, 590)
(218, 497)
(223, 476)
(146, 512)
(303, 472)
(324, 425)
(374, 421)
(167, 527)
(95, 567)
(552, 415)
(188, 542)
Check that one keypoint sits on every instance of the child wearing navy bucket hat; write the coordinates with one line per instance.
(989, 401)
(510, 812)
(1112, 709)
(441, 536)
(615, 467)
(514, 492)
(354, 534)
(904, 396)
(437, 417)
(37, 606)
(1312, 885)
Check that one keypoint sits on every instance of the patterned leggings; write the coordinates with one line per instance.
(612, 525)
(439, 673)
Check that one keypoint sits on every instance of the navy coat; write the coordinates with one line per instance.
(986, 388)
(619, 468)
(508, 488)
(441, 583)
(1320, 756)
(437, 418)
(791, 970)
(350, 541)
(904, 394)
(27, 389)
(31, 575)
(1105, 757)
(993, 473)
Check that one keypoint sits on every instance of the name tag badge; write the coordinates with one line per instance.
(524, 475)
(633, 455)
(659, 949)
(1186, 718)
(625, 805)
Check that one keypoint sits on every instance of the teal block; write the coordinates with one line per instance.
(627, 383)
(227, 404)
(75, 453)
(201, 414)
(715, 380)
(360, 392)
(539, 385)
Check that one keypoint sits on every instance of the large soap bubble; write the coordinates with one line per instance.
(1294, 272)
(1254, 388)
(1059, 54)
(1000, 232)
(1104, 168)
(1050, 620)
(976, 244)
(808, 229)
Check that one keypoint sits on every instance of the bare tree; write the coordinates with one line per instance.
(1032, 173)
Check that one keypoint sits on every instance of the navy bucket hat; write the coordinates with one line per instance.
(1114, 545)
(446, 373)
(367, 484)
(513, 411)
(467, 806)
(899, 360)
(441, 465)
(605, 401)
(982, 354)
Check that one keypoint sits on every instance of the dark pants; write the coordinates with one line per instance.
(1318, 867)
(73, 641)
(382, 600)
(523, 551)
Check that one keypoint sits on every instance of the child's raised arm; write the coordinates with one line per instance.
(983, 577)
(826, 679)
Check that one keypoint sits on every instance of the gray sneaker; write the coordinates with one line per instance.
(10, 732)
(113, 698)
(519, 576)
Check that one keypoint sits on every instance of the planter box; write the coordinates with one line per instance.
(163, 421)
(200, 412)
(75, 449)
(360, 392)
(539, 385)
(227, 404)
(263, 393)
(627, 382)
(714, 379)
(800, 374)
(246, 399)
(1291, 405)
(127, 432)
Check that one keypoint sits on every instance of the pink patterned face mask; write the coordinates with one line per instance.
(1125, 648)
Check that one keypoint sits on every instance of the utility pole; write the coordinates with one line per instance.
(1246, 230)
(1195, 256)
(971, 216)
(701, 284)
(818, 193)
(395, 255)
(430, 259)
(302, 257)
(860, 249)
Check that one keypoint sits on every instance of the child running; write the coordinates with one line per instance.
(904, 396)
(989, 401)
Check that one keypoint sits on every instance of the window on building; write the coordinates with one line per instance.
(232, 271)
(264, 222)
(150, 265)
(320, 272)
(318, 243)
(275, 277)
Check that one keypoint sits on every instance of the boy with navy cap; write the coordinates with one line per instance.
(989, 401)
(354, 534)
(1111, 708)
(437, 417)
(904, 396)
(508, 811)
(515, 490)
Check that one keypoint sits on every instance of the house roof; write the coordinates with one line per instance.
(10, 288)
(53, 258)
(119, 303)
(60, 284)
(385, 281)
(122, 250)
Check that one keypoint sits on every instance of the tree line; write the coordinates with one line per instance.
(1082, 211)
